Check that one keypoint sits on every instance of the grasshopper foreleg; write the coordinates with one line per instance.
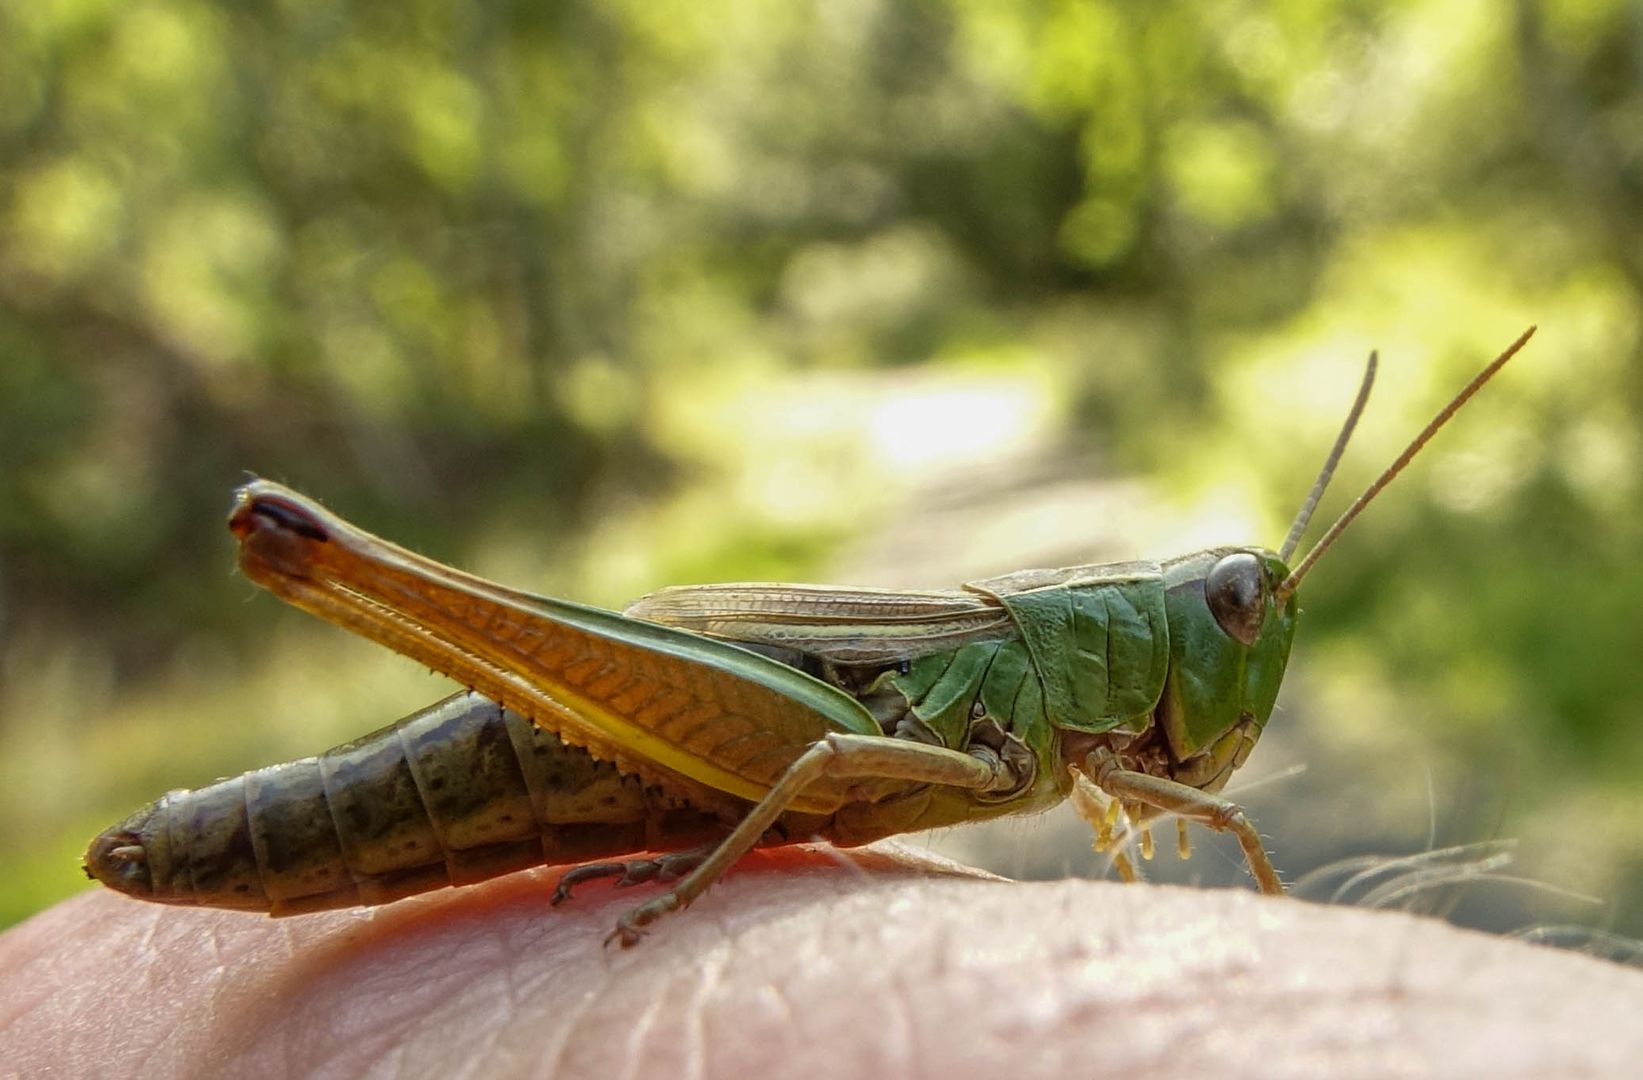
(1206, 808)
(1106, 816)
(839, 757)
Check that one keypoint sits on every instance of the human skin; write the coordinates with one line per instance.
(804, 963)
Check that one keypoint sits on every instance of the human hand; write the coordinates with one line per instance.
(804, 962)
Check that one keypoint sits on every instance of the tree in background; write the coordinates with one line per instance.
(454, 267)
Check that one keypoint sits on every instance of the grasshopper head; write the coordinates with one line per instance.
(1230, 632)
(1232, 613)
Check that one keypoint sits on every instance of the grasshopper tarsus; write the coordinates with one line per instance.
(628, 872)
(630, 928)
(625, 936)
(669, 866)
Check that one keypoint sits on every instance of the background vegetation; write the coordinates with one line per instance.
(597, 297)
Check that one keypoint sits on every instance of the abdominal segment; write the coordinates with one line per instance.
(459, 792)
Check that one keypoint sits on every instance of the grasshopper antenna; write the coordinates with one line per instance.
(1293, 581)
(1293, 540)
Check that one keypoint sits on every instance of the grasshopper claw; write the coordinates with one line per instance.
(630, 927)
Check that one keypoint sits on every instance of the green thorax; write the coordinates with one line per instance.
(1092, 657)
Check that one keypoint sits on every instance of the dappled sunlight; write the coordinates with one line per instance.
(826, 444)
(954, 422)
(1483, 477)
(1603, 459)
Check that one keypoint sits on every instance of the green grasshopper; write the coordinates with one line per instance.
(708, 719)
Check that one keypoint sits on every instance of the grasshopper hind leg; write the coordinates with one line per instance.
(838, 756)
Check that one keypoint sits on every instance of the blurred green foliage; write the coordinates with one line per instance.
(504, 282)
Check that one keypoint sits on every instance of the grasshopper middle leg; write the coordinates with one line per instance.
(665, 867)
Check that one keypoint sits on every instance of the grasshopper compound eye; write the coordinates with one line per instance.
(1236, 592)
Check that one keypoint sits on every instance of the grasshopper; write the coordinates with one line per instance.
(705, 720)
